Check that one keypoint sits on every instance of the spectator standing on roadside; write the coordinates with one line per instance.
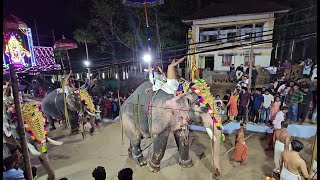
(239, 71)
(307, 64)
(287, 67)
(254, 75)
(244, 99)
(265, 111)
(256, 106)
(314, 72)
(232, 72)
(306, 105)
(275, 107)
(292, 101)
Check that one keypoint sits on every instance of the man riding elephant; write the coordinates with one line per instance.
(160, 114)
(77, 100)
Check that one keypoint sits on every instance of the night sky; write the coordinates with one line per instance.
(61, 15)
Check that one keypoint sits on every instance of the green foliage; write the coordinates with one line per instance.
(84, 35)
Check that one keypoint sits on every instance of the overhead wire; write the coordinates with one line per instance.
(223, 48)
(237, 36)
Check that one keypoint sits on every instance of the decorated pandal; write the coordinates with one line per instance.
(19, 50)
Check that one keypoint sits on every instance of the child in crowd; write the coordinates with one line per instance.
(221, 112)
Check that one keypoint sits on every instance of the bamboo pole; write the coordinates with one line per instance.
(81, 121)
(120, 116)
(65, 103)
(314, 154)
(234, 147)
(138, 112)
(22, 134)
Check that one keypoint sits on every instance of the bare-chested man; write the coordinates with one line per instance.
(240, 153)
(281, 139)
(291, 164)
(168, 84)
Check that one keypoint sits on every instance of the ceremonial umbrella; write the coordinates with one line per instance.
(142, 2)
(65, 44)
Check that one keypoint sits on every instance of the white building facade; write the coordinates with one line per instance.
(214, 33)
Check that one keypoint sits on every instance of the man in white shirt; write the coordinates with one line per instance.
(280, 116)
(265, 111)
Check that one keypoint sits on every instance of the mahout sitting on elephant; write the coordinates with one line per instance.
(160, 114)
(77, 101)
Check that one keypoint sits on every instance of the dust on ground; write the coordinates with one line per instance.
(77, 157)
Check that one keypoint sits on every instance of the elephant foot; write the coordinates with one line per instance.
(186, 163)
(140, 159)
(51, 178)
(91, 131)
(153, 167)
(74, 131)
(217, 174)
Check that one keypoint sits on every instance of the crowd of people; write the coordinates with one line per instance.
(14, 169)
(260, 105)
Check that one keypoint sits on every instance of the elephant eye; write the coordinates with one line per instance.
(189, 102)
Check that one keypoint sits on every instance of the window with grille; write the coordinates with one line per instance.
(231, 36)
(226, 60)
(247, 58)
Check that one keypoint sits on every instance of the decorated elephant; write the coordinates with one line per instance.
(160, 114)
(77, 100)
(36, 133)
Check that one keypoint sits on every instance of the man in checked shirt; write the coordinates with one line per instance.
(293, 99)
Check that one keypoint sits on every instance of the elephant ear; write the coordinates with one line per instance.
(179, 106)
(71, 102)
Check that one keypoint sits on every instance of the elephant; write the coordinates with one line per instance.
(160, 116)
(11, 137)
(53, 108)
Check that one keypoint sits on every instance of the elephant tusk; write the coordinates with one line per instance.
(210, 133)
(53, 142)
(91, 114)
(33, 150)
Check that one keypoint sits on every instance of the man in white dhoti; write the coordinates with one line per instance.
(281, 139)
(292, 165)
(168, 84)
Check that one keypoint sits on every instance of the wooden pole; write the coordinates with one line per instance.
(251, 55)
(120, 116)
(314, 154)
(35, 25)
(21, 131)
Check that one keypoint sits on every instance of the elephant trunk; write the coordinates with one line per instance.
(44, 160)
(53, 142)
(33, 150)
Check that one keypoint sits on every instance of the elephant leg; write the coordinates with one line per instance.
(183, 148)
(73, 119)
(136, 154)
(44, 160)
(159, 147)
(51, 123)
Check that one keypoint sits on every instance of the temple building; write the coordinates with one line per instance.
(237, 24)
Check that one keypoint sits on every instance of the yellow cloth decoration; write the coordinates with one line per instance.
(85, 96)
(34, 121)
